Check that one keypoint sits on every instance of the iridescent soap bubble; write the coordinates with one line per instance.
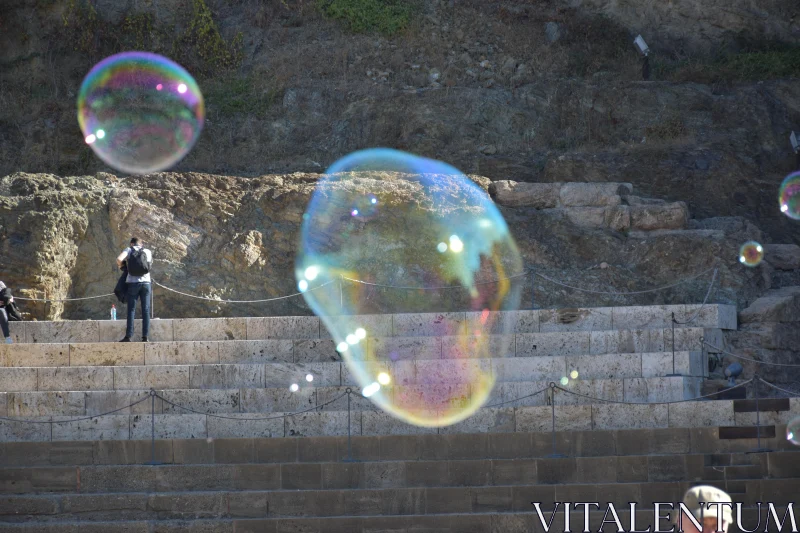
(421, 225)
(793, 431)
(789, 196)
(140, 112)
(751, 253)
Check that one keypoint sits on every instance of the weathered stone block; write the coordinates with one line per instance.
(709, 316)
(98, 402)
(497, 420)
(428, 324)
(225, 376)
(280, 400)
(335, 399)
(181, 353)
(502, 322)
(79, 378)
(701, 414)
(686, 363)
(161, 330)
(333, 423)
(406, 348)
(46, 479)
(472, 346)
(203, 401)
(625, 341)
(568, 418)
(381, 423)
(541, 368)
(655, 217)
(592, 194)
(246, 425)
(621, 416)
(27, 404)
(185, 426)
(656, 389)
(18, 379)
(645, 317)
(374, 325)
(552, 344)
(64, 331)
(575, 319)
(520, 394)
(605, 366)
(260, 351)
(18, 432)
(783, 256)
(106, 354)
(586, 217)
(602, 389)
(316, 351)
(147, 377)
(209, 329)
(284, 374)
(293, 327)
(31, 355)
(19, 332)
(525, 194)
(110, 427)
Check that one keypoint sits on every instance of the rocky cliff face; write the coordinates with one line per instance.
(235, 238)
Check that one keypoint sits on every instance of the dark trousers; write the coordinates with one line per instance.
(136, 291)
(4, 322)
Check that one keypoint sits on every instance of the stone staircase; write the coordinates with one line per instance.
(244, 470)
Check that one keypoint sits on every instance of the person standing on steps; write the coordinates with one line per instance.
(139, 260)
(8, 311)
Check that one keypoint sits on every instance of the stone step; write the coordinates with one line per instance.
(402, 372)
(486, 521)
(386, 348)
(371, 422)
(250, 500)
(244, 475)
(629, 446)
(713, 316)
(284, 400)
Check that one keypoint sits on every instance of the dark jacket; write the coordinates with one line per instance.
(11, 308)
(122, 288)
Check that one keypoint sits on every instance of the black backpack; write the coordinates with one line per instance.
(137, 262)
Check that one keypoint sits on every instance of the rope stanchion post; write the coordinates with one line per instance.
(758, 449)
(554, 455)
(153, 427)
(673, 374)
(349, 459)
(533, 289)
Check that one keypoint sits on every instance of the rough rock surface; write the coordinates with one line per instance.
(235, 238)
(783, 256)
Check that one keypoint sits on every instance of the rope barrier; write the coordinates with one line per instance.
(63, 299)
(11, 419)
(553, 385)
(617, 293)
(240, 301)
(703, 305)
(793, 393)
(720, 350)
(517, 399)
(284, 415)
(492, 282)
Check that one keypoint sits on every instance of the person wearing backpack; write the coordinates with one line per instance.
(139, 261)
(8, 311)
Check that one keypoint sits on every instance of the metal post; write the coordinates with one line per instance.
(152, 426)
(349, 459)
(646, 68)
(533, 289)
(673, 374)
(152, 290)
(553, 409)
(759, 449)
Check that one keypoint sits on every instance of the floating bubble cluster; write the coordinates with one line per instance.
(384, 217)
(751, 253)
(140, 112)
(789, 196)
(793, 431)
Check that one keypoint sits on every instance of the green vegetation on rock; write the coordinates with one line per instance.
(364, 16)
(205, 41)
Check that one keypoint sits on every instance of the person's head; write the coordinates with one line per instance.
(135, 241)
(705, 515)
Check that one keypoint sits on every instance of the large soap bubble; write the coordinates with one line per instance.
(140, 112)
(789, 196)
(382, 218)
(793, 431)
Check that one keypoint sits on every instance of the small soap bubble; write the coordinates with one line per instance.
(140, 112)
(388, 218)
(751, 254)
(294, 387)
(793, 431)
(564, 381)
(789, 196)
(574, 374)
(309, 377)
